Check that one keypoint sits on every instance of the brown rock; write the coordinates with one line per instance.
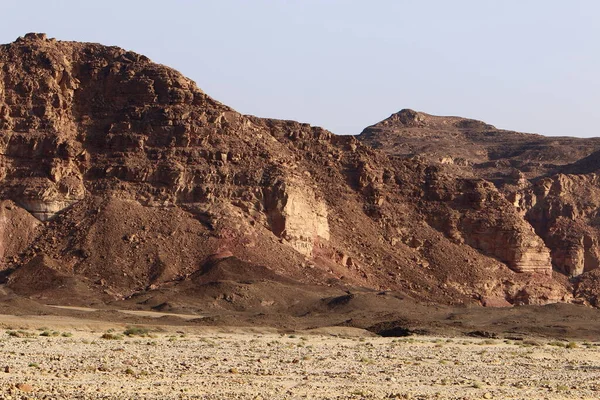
(122, 172)
(25, 387)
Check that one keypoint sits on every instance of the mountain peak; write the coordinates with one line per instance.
(33, 36)
(413, 119)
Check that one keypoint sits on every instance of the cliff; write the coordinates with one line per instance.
(121, 179)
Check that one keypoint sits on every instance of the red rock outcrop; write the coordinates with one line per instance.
(138, 181)
(564, 209)
(548, 188)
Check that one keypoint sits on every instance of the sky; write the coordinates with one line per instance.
(524, 65)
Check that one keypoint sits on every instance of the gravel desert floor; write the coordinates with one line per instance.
(53, 358)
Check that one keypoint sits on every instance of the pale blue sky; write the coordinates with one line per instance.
(527, 65)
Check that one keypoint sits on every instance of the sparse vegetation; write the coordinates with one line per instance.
(374, 357)
(49, 333)
(136, 331)
(21, 334)
(111, 336)
(477, 384)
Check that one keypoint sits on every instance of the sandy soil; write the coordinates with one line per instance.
(150, 314)
(48, 358)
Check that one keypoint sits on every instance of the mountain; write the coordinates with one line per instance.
(551, 181)
(488, 152)
(123, 183)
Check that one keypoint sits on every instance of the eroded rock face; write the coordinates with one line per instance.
(44, 199)
(551, 185)
(474, 212)
(84, 121)
(140, 179)
(564, 211)
(297, 215)
(516, 245)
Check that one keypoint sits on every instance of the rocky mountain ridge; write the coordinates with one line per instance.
(122, 181)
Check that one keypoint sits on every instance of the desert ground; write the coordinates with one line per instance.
(50, 357)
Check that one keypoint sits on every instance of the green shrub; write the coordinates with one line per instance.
(136, 331)
(50, 333)
(21, 334)
(111, 336)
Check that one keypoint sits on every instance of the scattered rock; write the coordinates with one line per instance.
(25, 387)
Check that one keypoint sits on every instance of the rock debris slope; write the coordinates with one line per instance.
(120, 179)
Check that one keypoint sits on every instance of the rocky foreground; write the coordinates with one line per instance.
(95, 360)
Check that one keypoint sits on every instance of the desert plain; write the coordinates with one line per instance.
(53, 357)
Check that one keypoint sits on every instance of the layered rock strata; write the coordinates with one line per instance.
(127, 179)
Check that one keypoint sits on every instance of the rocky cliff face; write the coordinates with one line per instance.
(551, 182)
(563, 209)
(296, 215)
(121, 178)
(474, 212)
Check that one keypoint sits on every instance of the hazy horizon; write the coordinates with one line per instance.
(528, 66)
